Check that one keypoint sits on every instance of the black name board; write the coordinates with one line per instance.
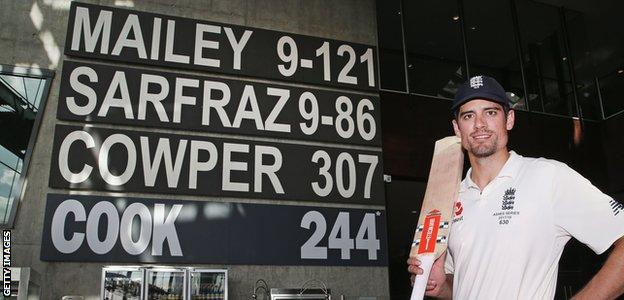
(134, 161)
(138, 37)
(131, 230)
(130, 96)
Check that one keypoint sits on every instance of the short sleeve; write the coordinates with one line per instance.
(449, 266)
(584, 212)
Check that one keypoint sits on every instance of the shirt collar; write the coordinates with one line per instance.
(510, 169)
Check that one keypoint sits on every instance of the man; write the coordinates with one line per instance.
(515, 214)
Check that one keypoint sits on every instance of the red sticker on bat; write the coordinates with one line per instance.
(429, 234)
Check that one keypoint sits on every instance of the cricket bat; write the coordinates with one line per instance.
(434, 222)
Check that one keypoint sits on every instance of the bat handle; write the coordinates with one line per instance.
(420, 284)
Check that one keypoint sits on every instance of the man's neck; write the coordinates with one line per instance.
(485, 169)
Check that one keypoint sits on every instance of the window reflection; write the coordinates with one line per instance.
(208, 285)
(165, 285)
(122, 284)
(20, 99)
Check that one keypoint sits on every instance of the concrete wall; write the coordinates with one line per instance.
(32, 34)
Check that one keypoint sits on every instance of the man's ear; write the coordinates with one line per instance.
(456, 129)
(511, 119)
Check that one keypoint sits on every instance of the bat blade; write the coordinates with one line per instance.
(436, 213)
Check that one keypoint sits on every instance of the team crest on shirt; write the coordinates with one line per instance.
(509, 199)
(616, 207)
(507, 211)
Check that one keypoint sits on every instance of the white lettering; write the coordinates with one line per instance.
(237, 46)
(117, 83)
(163, 150)
(82, 89)
(229, 166)
(268, 170)
(159, 156)
(281, 102)
(217, 104)
(195, 165)
(200, 44)
(179, 99)
(63, 159)
(112, 227)
(164, 229)
(145, 96)
(102, 29)
(249, 96)
(57, 228)
(169, 55)
(145, 232)
(106, 174)
(156, 39)
(131, 25)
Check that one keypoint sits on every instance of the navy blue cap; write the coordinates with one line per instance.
(480, 87)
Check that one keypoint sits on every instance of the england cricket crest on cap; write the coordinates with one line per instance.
(476, 82)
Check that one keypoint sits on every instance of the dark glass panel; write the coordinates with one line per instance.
(391, 57)
(491, 45)
(545, 62)
(434, 47)
(612, 92)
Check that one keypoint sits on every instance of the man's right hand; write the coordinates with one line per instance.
(437, 285)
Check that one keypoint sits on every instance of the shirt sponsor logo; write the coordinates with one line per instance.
(459, 208)
(616, 206)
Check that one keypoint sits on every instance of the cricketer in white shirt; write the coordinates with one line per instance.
(506, 240)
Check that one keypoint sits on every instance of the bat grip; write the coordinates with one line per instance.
(420, 284)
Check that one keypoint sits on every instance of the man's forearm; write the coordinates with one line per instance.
(608, 283)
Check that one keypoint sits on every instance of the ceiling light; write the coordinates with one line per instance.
(564, 58)
(455, 18)
(473, 28)
(620, 71)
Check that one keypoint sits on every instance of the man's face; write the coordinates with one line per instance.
(482, 127)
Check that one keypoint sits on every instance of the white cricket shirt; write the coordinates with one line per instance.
(506, 241)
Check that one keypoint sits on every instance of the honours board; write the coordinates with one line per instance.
(114, 229)
(123, 35)
(94, 158)
(139, 97)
